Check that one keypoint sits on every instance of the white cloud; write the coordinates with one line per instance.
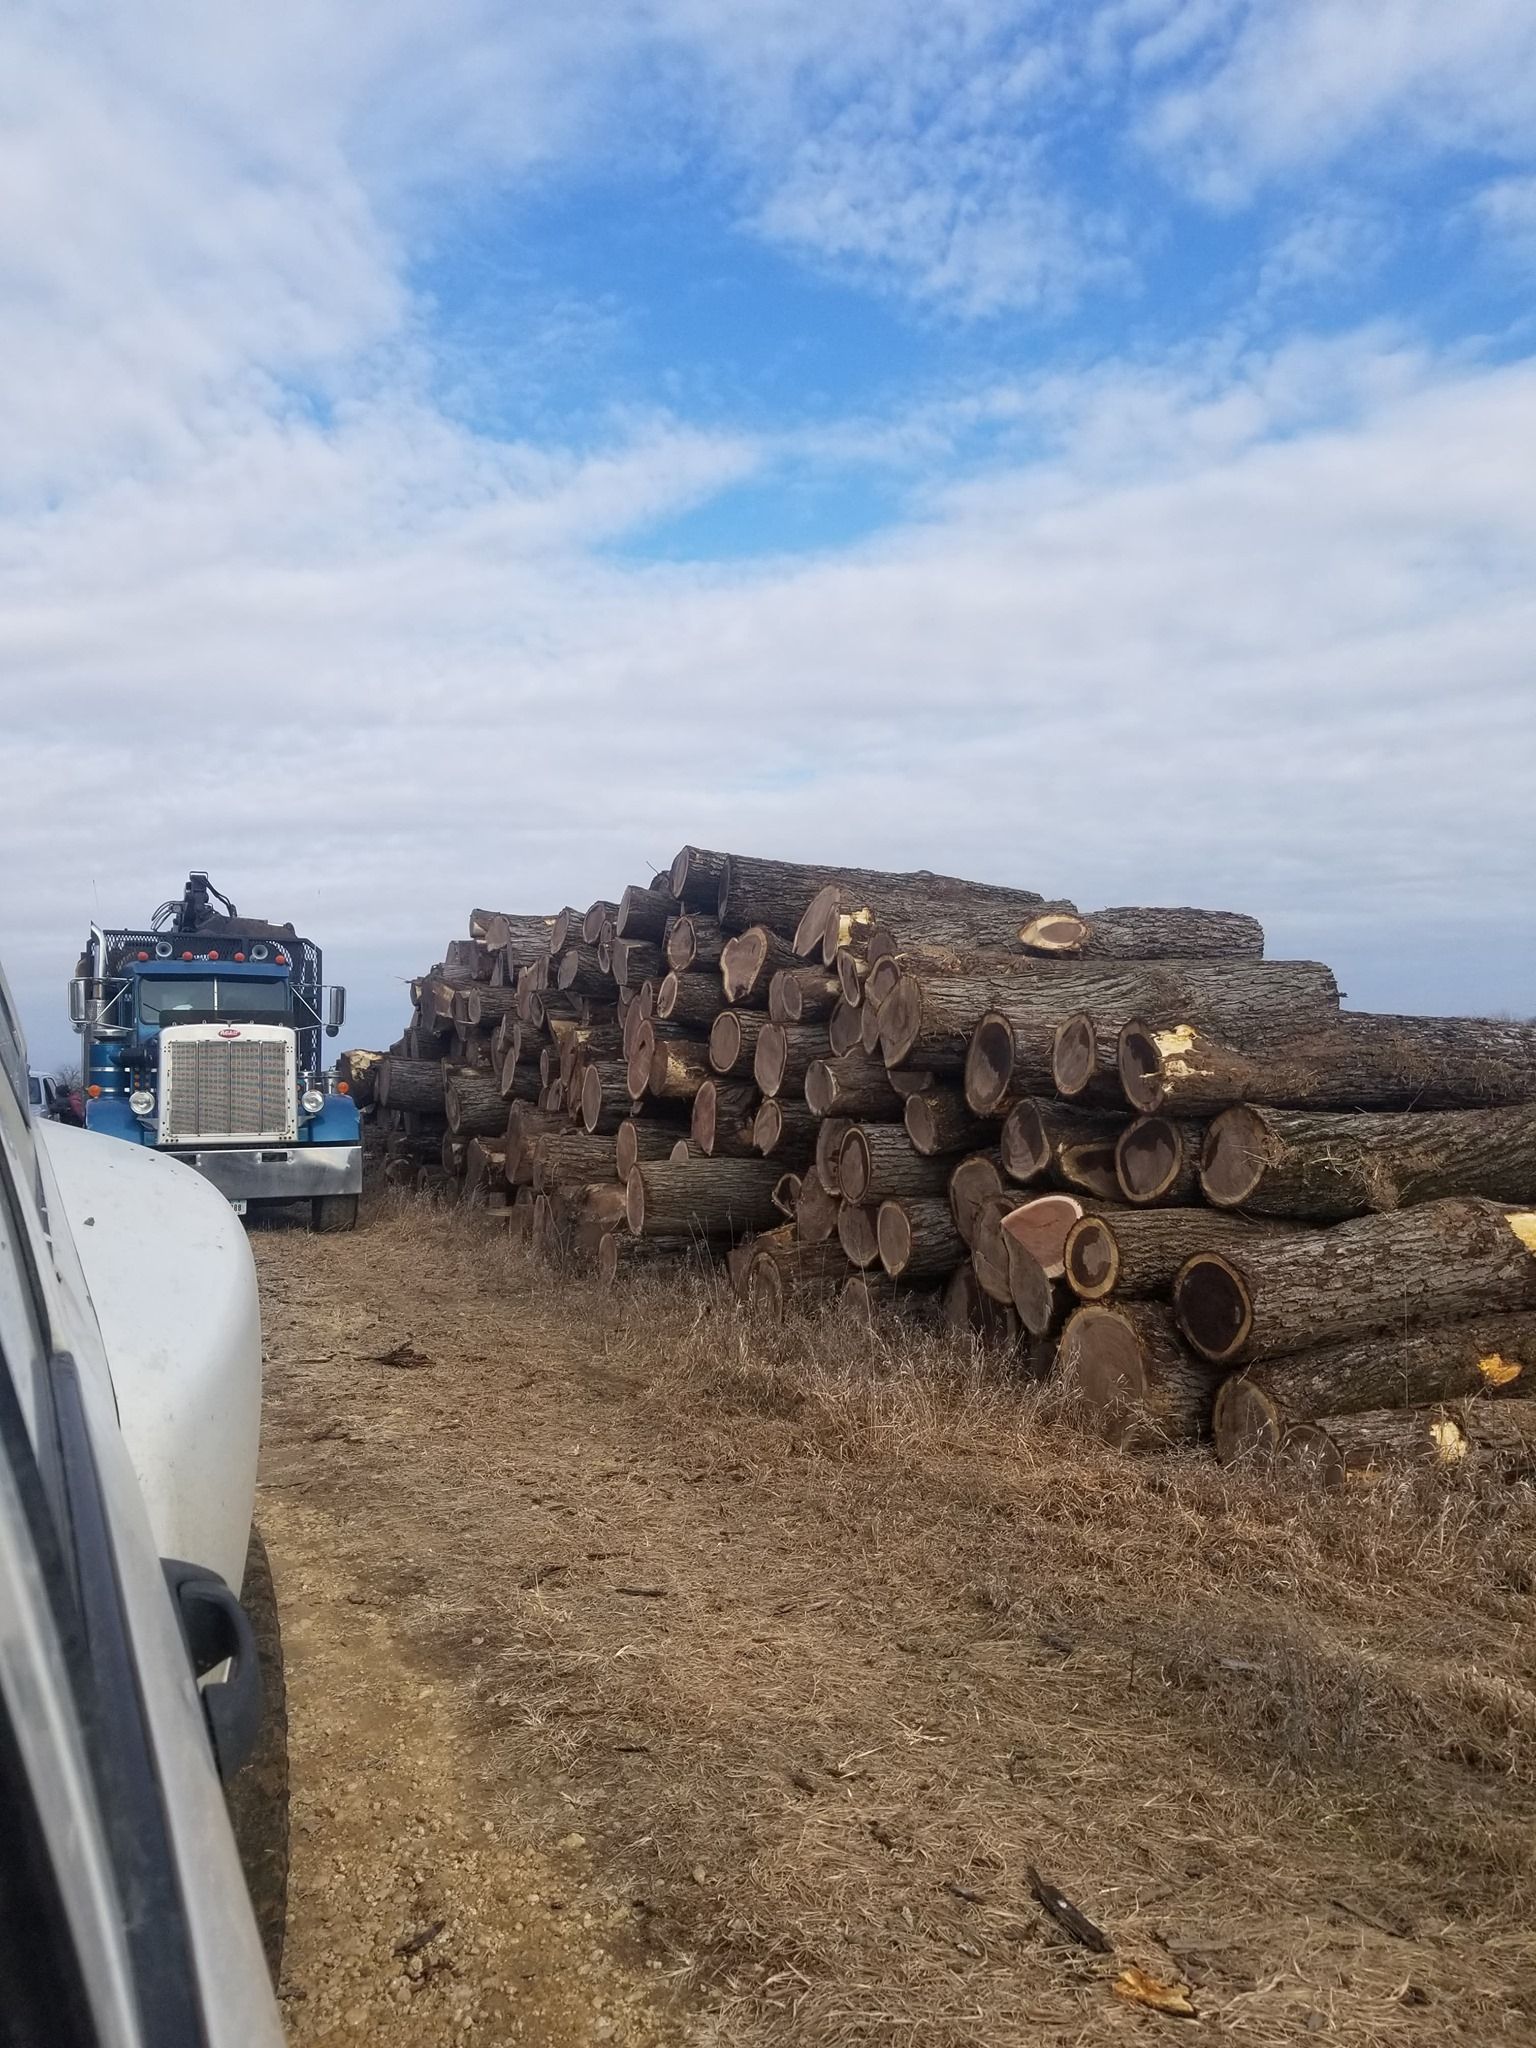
(1290, 88)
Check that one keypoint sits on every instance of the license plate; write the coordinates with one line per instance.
(238, 1207)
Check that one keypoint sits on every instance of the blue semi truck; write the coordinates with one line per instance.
(203, 1038)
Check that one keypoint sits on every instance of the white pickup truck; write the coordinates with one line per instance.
(140, 1701)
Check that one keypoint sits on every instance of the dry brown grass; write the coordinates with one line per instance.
(894, 1632)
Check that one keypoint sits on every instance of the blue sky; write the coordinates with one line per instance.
(457, 453)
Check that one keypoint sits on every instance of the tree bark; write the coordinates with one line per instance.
(581, 972)
(929, 1020)
(906, 913)
(784, 1129)
(679, 1069)
(733, 1040)
(856, 1233)
(769, 892)
(572, 1158)
(485, 1006)
(845, 1029)
(917, 1238)
(467, 959)
(640, 1141)
(784, 1055)
(517, 1082)
(970, 1185)
(877, 1163)
(622, 1257)
(969, 1309)
(1131, 1252)
(1493, 1438)
(784, 1275)
(849, 899)
(644, 914)
(1157, 1161)
(633, 961)
(801, 995)
(605, 1098)
(1282, 1162)
(854, 1086)
(1044, 1140)
(411, 1084)
(1362, 1062)
(828, 1152)
(1486, 1356)
(694, 878)
(816, 1210)
(1124, 1368)
(692, 999)
(748, 963)
(1151, 934)
(694, 942)
(473, 1103)
(1085, 1062)
(723, 1117)
(937, 1120)
(707, 1198)
(1431, 1263)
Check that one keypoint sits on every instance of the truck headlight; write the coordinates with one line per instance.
(312, 1101)
(142, 1102)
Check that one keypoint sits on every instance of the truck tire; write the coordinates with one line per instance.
(333, 1212)
(257, 1796)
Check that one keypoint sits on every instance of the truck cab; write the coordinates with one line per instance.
(203, 1039)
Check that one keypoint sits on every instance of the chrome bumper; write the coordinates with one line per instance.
(276, 1173)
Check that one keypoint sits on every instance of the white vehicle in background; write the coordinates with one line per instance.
(42, 1096)
(131, 1678)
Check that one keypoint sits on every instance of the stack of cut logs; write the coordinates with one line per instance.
(1119, 1145)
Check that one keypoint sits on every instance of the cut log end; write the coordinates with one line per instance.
(1141, 1067)
(811, 931)
(1025, 1147)
(1074, 1055)
(1106, 1364)
(1055, 934)
(853, 1165)
(900, 1019)
(1042, 1227)
(989, 1063)
(1210, 1299)
(893, 1232)
(1234, 1158)
(725, 1042)
(848, 977)
(634, 1201)
(1092, 1258)
(1247, 1424)
(1149, 1157)
(858, 1234)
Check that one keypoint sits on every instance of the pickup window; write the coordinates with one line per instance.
(184, 999)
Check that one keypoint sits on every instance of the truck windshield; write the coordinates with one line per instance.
(185, 999)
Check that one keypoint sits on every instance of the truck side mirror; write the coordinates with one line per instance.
(335, 1010)
(77, 999)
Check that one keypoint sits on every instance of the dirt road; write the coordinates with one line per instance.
(653, 1682)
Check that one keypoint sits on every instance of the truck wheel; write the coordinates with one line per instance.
(333, 1212)
(257, 1797)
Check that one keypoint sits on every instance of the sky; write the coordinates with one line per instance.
(456, 453)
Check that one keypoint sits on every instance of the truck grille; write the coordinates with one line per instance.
(216, 1088)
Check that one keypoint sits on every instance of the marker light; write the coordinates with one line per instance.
(143, 956)
(343, 1087)
(281, 959)
(214, 954)
(142, 1101)
(312, 1101)
(186, 956)
(239, 956)
(94, 1091)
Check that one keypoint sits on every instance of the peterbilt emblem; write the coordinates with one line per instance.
(228, 1031)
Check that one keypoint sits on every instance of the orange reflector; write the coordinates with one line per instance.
(343, 1087)
(94, 1090)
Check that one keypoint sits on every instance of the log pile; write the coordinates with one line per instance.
(1122, 1147)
